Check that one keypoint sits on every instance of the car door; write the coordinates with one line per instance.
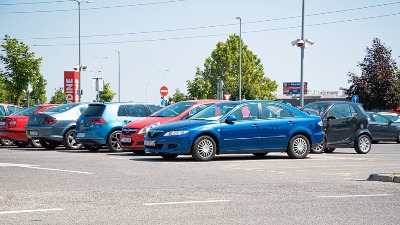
(374, 127)
(386, 130)
(245, 133)
(276, 127)
(341, 123)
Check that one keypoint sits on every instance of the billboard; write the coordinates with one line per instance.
(71, 85)
(293, 88)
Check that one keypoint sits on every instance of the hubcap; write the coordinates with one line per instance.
(115, 141)
(364, 144)
(205, 148)
(72, 143)
(299, 146)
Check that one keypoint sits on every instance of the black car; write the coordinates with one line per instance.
(345, 125)
(383, 128)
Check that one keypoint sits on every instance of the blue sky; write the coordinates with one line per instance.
(163, 41)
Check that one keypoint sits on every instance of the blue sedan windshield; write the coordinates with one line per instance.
(214, 112)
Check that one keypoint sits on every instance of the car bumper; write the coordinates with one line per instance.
(15, 135)
(132, 141)
(45, 133)
(179, 145)
(318, 138)
(93, 137)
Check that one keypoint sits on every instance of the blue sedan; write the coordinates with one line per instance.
(252, 127)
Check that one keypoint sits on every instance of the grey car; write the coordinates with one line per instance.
(56, 126)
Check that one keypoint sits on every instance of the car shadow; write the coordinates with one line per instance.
(185, 158)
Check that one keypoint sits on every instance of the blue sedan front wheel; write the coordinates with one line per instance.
(204, 148)
(299, 147)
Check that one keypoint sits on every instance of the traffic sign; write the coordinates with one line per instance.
(227, 96)
(164, 102)
(355, 99)
(163, 91)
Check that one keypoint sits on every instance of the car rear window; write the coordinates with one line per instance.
(94, 110)
(62, 108)
(26, 111)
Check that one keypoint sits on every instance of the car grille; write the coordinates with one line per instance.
(154, 134)
(129, 130)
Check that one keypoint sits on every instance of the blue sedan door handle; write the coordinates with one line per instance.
(290, 122)
(255, 125)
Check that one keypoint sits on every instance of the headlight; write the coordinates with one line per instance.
(320, 123)
(176, 132)
(146, 129)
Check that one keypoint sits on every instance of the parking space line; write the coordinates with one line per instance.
(40, 168)
(30, 211)
(352, 196)
(187, 202)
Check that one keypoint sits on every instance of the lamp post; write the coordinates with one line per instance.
(147, 83)
(101, 63)
(163, 75)
(79, 43)
(119, 75)
(240, 58)
(302, 44)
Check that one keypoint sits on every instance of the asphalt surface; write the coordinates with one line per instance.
(39, 186)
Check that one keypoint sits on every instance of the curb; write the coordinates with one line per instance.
(385, 177)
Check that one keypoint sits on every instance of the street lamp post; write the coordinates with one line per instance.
(147, 83)
(119, 75)
(163, 75)
(79, 43)
(101, 64)
(240, 58)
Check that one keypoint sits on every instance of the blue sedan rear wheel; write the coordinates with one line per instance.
(204, 148)
(299, 147)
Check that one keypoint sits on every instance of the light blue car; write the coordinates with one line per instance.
(101, 123)
(252, 127)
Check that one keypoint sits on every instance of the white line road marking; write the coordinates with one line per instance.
(352, 196)
(188, 202)
(30, 211)
(39, 168)
(112, 157)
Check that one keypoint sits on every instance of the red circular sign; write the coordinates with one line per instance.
(163, 91)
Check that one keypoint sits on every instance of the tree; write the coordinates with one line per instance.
(58, 97)
(107, 94)
(224, 65)
(178, 96)
(378, 85)
(21, 68)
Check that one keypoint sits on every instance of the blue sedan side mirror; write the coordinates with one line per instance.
(230, 119)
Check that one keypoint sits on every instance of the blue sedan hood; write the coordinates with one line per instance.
(183, 125)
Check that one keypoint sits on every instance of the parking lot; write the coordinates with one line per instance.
(61, 186)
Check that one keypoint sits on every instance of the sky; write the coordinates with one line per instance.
(162, 42)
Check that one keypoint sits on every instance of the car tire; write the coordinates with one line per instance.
(258, 154)
(139, 152)
(113, 141)
(319, 149)
(329, 150)
(69, 141)
(50, 145)
(92, 148)
(299, 147)
(204, 148)
(169, 156)
(398, 138)
(21, 144)
(363, 144)
(6, 142)
(35, 143)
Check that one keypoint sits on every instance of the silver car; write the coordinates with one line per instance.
(56, 126)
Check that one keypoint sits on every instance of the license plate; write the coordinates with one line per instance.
(149, 143)
(2, 123)
(125, 140)
(80, 135)
(34, 133)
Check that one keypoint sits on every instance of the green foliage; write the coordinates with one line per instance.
(20, 69)
(178, 96)
(378, 85)
(107, 94)
(58, 97)
(224, 65)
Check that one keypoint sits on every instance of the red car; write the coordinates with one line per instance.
(132, 136)
(5, 110)
(13, 126)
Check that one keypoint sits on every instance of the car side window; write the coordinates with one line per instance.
(2, 111)
(136, 110)
(339, 111)
(245, 112)
(275, 111)
(381, 119)
(153, 108)
(353, 111)
(198, 109)
(122, 111)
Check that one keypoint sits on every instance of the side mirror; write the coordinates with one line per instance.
(230, 119)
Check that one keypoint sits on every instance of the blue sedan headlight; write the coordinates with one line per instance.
(176, 132)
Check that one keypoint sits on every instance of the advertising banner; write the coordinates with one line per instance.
(71, 85)
(293, 88)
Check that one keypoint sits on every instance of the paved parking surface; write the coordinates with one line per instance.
(38, 186)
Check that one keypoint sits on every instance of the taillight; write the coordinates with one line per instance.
(11, 123)
(97, 121)
(49, 120)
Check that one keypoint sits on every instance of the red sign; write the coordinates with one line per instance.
(71, 85)
(227, 96)
(163, 91)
